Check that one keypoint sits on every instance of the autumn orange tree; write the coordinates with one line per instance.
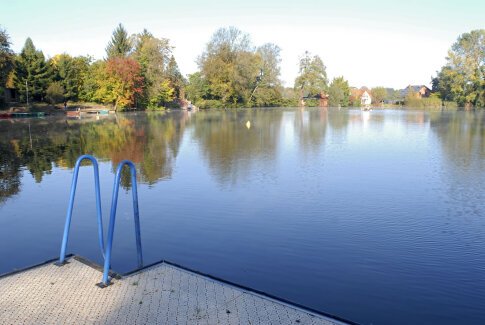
(118, 82)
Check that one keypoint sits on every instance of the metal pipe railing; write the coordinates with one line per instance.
(62, 256)
(114, 202)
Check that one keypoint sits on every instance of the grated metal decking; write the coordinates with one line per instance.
(161, 294)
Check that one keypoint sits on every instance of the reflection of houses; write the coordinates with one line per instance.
(420, 91)
(365, 99)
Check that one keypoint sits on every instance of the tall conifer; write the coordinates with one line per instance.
(31, 72)
(120, 44)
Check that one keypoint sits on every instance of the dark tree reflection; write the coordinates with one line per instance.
(150, 140)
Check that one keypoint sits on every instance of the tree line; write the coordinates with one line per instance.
(140, 70)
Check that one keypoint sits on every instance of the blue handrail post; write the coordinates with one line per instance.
(114, 203)
(62, 256)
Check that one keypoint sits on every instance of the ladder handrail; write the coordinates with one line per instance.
(67, 225)
(111, 227)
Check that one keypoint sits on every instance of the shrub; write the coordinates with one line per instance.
(55, 93)
(430, 102)
(452, 105)
(209, 103)
(311, 102)
(155, 108)
(356, 103)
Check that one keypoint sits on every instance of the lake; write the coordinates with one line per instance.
(377, 217)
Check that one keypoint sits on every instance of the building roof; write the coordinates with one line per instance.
(414, 88)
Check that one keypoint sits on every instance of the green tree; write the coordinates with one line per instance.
(270, 64)
(70, 72)
(6, 57)
(197, 87)
(91, 81)
(55, 93)
(154, 56)
(312, 77)
(177, 81)
(165, 94)
(462, 79)
(230, 66)
(378, 95)
(120, 44)
(339, 92)
(268, 88)
(32, 72)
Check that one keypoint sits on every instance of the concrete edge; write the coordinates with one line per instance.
(28, 268)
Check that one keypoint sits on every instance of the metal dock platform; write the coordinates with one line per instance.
(160, 294)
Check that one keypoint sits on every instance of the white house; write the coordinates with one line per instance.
(365, 99)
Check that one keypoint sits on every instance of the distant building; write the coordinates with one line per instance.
(321, 97)
(421, 91)
(365, 99)
(356, 95)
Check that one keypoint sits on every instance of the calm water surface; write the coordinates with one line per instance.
(377, 217)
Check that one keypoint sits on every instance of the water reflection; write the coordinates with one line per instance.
(339, 121)
(150, 140)
(10, 165)
(310, 128)
(231, 148)
(462, 136)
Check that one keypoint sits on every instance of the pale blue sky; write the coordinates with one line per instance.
(370, 43)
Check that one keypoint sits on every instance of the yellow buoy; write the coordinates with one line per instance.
(248, 124)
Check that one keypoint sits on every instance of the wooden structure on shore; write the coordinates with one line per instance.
(321, 97)
(94, 111)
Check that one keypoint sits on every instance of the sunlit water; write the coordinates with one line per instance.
(377, 217)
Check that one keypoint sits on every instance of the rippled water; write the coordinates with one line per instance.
(377, 217)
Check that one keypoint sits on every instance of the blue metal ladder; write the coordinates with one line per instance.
(65, 238)
(111, 228)
(114, 203)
